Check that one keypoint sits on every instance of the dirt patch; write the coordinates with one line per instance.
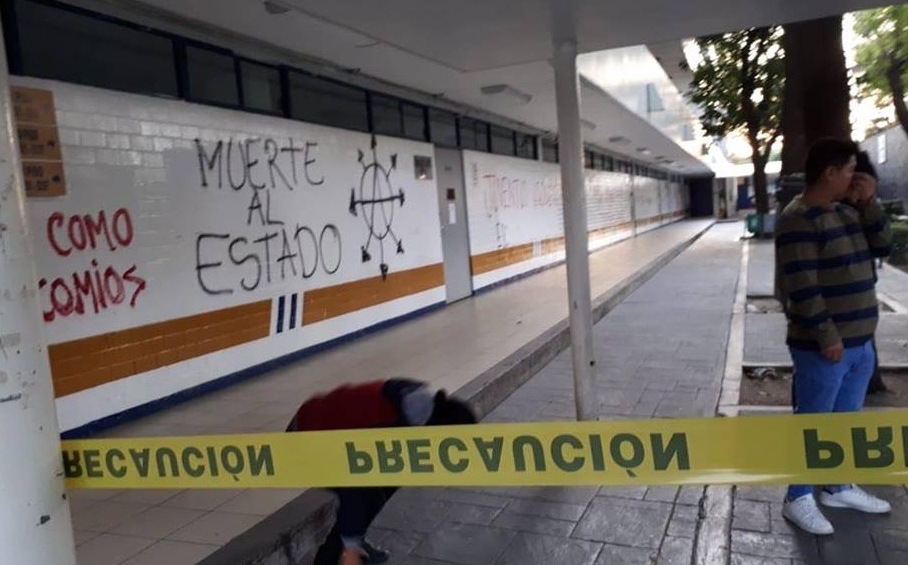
(767, 305)
(772, 387)
(763, 305)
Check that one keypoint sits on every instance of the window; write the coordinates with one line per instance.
(526, 146)
(261, 87)
(321, 101)
(212, 76)
(386, 116)
(414, 121)
(62, 45)
(502, 140)
(587, 159)
(549, 151)
(442, 128)
(474, 134)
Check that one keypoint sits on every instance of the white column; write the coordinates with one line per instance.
(35, 525)
(570, 153)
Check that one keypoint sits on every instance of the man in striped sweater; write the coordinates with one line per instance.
(824, 268)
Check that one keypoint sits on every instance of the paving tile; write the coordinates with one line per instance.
(201, 499)
(105, 515)
(167, 552)
(772, 545)
(676, 551)
(528, 548)
(740, 559)
(545, 509)
(156, 522)
(751, 515)
(215, 528)
(110, 549)
(622, 521)
(465, 543)
(535, 524)
(261, 502)
(623, 555)
(684, 522)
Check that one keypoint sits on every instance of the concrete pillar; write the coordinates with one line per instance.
(35, 524)
(570, 153)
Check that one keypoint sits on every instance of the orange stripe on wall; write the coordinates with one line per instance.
(500, 258)
(92, 361)
(332, 301)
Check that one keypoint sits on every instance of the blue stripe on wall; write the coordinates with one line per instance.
(280, 314)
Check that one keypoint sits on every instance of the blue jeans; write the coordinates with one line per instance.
(821, 386)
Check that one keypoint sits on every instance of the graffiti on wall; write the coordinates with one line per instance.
(97, 286)
(374, 201)
(269, 248)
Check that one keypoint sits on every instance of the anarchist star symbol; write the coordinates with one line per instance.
(376, 200)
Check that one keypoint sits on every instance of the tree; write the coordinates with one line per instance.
(738, 87)
(816, 88)
(884, 57)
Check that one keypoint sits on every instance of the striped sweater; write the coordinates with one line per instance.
(825, 274)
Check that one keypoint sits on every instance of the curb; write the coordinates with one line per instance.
(713, 541)
(292, 534)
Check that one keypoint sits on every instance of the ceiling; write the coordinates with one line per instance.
(452, 49)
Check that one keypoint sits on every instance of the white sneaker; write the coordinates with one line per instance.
(804, 513)
(857, 499)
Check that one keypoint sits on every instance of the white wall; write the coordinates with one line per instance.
(207, 210)
(136, 160)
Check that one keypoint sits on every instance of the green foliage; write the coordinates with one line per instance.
(739, 86)
(899, 243)
(885, 31)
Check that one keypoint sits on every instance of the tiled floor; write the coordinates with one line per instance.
(182, 527)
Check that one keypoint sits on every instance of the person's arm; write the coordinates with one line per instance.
(874, 221)
(797, 260)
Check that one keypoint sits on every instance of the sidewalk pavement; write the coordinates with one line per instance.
(759, 534)
(660, 353)
(497, 333)
(765, 333)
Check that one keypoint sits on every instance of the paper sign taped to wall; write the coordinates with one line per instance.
(39, 142)
(44, 178)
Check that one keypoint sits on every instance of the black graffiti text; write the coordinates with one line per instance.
(258, 164)
(279, 254)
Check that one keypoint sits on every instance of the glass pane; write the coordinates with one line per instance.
(502, 140)
(443, 128)
(261, 87)
(71, 47)
(474, 134)
(549, 151)
(321, 101)
(414, 122)
(386, 116)
(212, 76)
(526, 146)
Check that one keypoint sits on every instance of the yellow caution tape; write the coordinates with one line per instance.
(868, 447)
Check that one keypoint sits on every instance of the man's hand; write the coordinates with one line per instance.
(834, 352)
(351, 556)
(863, 190)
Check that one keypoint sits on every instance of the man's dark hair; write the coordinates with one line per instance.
(450, 411)
(864, 165)
(827, 153)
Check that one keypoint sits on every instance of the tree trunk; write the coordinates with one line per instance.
(794, 146)
(761, 195)
(894, 78)
(815, 67)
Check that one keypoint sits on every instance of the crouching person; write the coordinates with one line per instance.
(379, 404)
